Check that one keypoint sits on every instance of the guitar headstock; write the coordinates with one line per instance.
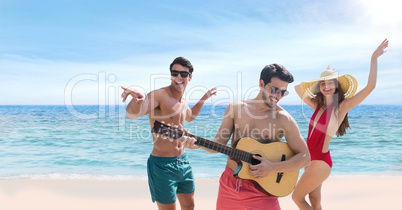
(166, 130)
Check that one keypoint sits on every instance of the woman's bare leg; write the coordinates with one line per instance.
(310, 182)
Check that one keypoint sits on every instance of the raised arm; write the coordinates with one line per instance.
(140, 104)
(305, 97)
(193, 112)
(372, 79)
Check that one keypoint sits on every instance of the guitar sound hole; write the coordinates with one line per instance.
(255, 161)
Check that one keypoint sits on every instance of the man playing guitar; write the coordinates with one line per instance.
(262, 120)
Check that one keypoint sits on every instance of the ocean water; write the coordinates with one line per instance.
(100, 142)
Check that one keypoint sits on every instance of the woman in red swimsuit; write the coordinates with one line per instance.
(331, 96)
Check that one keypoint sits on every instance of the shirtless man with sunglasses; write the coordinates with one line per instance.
(263, 120)
(169, 171)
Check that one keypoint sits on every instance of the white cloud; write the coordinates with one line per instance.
(382, 12)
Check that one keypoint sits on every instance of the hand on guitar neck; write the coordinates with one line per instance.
(188, 142)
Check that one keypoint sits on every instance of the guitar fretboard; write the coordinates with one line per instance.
(229, 151)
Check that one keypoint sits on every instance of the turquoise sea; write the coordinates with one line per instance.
(100, 142)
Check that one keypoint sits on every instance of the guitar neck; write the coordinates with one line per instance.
(229, 151)
(175, 133)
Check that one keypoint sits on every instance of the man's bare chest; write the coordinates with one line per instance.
(259, 130)
(171, 111)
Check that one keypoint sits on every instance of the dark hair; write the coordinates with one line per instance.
(338, 97)
(275, 70)
(183, 62)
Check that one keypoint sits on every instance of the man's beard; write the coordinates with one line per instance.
(265, 99)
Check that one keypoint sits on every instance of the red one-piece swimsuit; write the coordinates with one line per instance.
(316, 136)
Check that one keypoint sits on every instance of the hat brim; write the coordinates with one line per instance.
(347, 82)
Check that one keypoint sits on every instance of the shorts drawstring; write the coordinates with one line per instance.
(179, 159)
(238, 185)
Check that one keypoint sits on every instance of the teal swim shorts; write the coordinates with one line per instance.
(168, 176)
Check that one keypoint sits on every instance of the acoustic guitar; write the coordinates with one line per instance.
(276, 184)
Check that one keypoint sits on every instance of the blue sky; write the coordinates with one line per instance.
(81, 52)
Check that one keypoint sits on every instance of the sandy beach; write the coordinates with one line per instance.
(349, 192)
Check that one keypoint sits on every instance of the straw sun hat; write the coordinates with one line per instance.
(347, 82)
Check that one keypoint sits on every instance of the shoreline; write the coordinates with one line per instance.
(338, 192)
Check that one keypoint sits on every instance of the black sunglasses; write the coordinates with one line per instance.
(183, 74)
(276, 90)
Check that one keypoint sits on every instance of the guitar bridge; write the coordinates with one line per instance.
(280, 174)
